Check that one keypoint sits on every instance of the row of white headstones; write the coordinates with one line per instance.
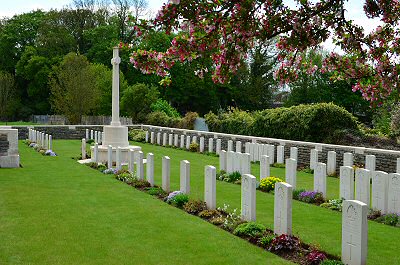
(97, 136)
(354, 220)
(384, 195)
(44, 140)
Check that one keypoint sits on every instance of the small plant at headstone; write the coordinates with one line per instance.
(233, 177)
(101, 167)
(388, 219)
(278, 165)
(42, 151)
(265, 241)
(335, 204)
(284, 243)
(208, 214)
(315, 257)
(156, 191)
(50, 153)
(296, 193)
(177, 198)
(110, 171)
(220, 175)
(90, 141)
(139, 183)
(374, 214)
(331, 262)
(93, 165)
(250, 229)
(307, 170)
(137, 135)
(232, 219)
(268, 184)
(195, 206)
(194, 147)
(211, 154)
(311, 197)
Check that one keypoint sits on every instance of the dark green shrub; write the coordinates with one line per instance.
(187, 122)
(90, 141)
(265, 241)
(137, 135)
(322, 122)
(195, 206)
(156, 191)
(101, 167)
(250, 229)
(161, 119)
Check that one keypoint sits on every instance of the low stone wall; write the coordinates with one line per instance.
(386, 160)
(72, 132)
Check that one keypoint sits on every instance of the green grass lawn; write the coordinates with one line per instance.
(313, 224)
(55, 211)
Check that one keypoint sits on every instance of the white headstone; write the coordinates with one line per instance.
(185, 177)
(238, 146)
(182, 145)
(380, 185)
(166, 173)
(313, 158)
(294, 152)
(170, 139)
(320, 178)
(91, 135)
(118, 158)
(394, 193)
(291, 172)
(237, 162)
(210, 145)
(201, 144)
(230, 145)
(347, 183)
(176, 140)
(164, 142)
(152, 137)
(50, 142)
(222, 160)
(256, 152)
(398, 166)
(87, 134)
(109, 157)
(188, 142)
(348, 159)
(247, 148)
(159, 138)
(194, 140)
(140, 165)
(280, 150)
(283, 209)
(251, 151)
(370, 162)
(95, 137)
(354, 233)
(150, 168)
(271, 153)
(260, 151)
(131, 161)
(230, 156)
(218, 147)
(46, 141)
(147, 136)
(363, 185)
(83, 149)
(96, 153)
(249, 197)
(265, 170)
(210, 187)
(331, 164)
(245, 167)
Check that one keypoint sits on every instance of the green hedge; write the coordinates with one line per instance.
(159, 118)
(323, 122)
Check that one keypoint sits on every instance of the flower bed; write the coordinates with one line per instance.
(288, 247)
(39, 149)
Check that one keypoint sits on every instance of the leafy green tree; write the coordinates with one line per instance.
(7, 93)
(137, 99)
(74, 92)
(103, 83)
(318, 87)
